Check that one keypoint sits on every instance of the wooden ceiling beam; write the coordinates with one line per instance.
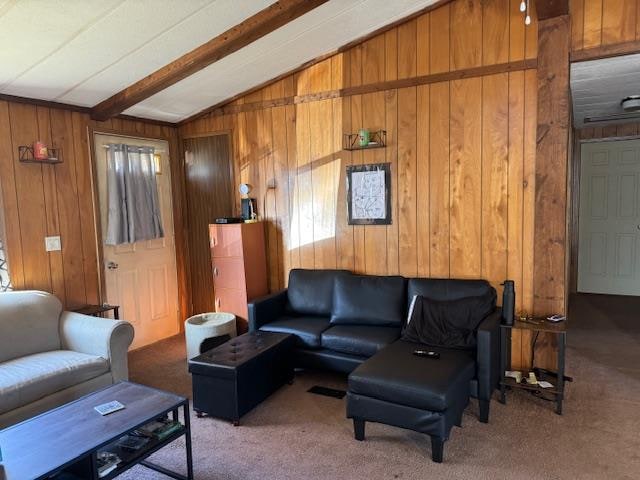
(551, 8)
(253, 28)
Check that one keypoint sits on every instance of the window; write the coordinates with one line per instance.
(5, 281)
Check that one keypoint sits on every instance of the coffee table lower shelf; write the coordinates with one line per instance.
(87, 467)
(139, 459)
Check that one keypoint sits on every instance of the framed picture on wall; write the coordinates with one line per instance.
(369, 194)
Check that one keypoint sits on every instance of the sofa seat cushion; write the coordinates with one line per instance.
(369, 300)
(363, 340)
(307, 329)
(27, 379)
(398, 376)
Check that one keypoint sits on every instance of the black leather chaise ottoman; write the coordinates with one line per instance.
(231, 379)
(396, 387)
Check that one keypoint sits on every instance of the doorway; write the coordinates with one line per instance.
(609, 218)
(208, 180)
(141, 276)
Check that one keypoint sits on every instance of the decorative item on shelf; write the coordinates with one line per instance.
(364, 139)
(248, 204)
(369, 194)
(39, 153)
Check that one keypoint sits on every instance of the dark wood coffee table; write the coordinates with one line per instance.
(66, 440)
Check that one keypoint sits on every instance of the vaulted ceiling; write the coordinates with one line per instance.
(82, 52)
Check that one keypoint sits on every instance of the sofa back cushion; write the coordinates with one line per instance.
(310, 292)
(369, 300)
(29, 323)
(447, 288)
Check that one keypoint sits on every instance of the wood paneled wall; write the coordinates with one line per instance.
(43, 200)
(596, 23)
(462, 154)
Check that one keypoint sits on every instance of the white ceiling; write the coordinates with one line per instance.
(83, 51)
(598, 86)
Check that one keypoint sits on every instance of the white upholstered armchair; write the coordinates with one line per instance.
(49, 357)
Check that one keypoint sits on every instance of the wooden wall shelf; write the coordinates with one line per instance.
(25, 155)
(377, 139)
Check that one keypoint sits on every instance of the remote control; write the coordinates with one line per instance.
(426, 354)
(107, 408)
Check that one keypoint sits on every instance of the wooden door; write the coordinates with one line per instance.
(209, 195)
(609, 221)
(141, 277)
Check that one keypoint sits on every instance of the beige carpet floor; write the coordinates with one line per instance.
(298, 435)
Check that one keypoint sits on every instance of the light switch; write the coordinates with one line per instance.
(52, 244)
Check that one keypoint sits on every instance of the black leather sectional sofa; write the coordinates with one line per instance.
(353, 324)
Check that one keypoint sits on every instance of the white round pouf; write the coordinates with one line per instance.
(206, 325)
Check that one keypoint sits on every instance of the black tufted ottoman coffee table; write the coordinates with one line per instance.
(231, 379)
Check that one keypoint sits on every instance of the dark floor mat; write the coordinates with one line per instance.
(327, 392)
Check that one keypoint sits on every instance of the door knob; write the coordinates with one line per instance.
(112, 265)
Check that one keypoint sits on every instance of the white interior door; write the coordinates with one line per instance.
(141, 277)
(609, 218)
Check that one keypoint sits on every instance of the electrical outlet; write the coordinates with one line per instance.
(52, 244)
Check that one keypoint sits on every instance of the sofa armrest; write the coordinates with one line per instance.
(266, 309)
(103, 337)
(488, 354)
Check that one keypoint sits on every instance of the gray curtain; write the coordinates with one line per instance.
(132, 195)
(5, 280)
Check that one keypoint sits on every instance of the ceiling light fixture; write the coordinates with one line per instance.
(524, 8)
(631, 103)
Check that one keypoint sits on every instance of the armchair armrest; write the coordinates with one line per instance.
(488, 354)
(109, 339)
(266, 309)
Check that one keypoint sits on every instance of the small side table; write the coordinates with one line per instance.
(540, 325)
(99, 310)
